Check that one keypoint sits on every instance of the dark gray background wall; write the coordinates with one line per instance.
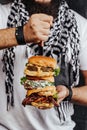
(79, 5)
(5, 1)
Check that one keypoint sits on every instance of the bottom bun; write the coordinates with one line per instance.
(49, 89)
(42, 105)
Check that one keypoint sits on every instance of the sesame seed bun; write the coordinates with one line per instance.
(40, 66)
(42, 105)
(43, 61)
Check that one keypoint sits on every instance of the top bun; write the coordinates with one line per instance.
(43, 61)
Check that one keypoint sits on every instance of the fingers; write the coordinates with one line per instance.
(46, 18)
(43, 1)
(63, 92)
(38, 28)
(42, 17)
(45, 24)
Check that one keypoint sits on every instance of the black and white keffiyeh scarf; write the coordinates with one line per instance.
(64, 36)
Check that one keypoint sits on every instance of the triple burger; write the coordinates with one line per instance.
(39, 82)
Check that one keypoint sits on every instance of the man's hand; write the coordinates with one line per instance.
(43, 1)
(63, 92)
(38, 28)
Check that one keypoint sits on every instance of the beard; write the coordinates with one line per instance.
(50, 8)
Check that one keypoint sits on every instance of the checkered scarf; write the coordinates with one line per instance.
(63, 32)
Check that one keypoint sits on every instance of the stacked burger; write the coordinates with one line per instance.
(39, 82)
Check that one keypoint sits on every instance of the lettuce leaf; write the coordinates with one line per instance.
(56, 71)
(23, 79)
(55, 96)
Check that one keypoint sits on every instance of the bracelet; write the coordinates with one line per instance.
(69, 97)
(19, 35)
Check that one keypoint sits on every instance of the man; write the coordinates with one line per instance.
(33, 36)
(57, 26)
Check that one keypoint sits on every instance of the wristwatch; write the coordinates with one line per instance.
(20, 35)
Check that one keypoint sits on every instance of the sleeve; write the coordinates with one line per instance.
(82, 28)
(0, 18)
(83, 49)
(83, 52)
(4, 12)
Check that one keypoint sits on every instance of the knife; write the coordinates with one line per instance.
(41, 44)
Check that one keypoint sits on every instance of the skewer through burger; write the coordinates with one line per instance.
(39, 82)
